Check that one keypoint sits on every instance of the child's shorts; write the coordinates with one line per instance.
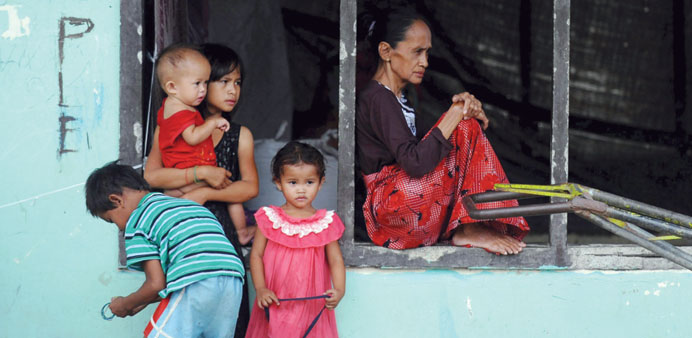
(206, 308)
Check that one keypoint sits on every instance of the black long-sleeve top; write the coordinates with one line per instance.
(383, 137)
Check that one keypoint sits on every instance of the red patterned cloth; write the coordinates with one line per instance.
(403, 212)
(175, 152)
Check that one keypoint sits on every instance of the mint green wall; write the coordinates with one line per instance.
(59, 265)
(516, 303)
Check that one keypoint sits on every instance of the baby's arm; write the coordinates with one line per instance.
(194, 135)
(148, 293)
(338, 272)
(264, 295)
(172, 178)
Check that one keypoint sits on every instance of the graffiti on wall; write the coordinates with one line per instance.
(70, 28)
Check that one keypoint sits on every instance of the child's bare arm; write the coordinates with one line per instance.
(148, 293)
(338, 272)
(240, 190)
(172, 178)
(194, 135)
(264, 295)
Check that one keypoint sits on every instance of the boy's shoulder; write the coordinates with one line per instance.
(154, 204)
(158, 199)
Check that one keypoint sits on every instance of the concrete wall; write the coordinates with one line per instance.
(59, 265)
(516, 303)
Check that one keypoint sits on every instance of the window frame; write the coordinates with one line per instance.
(554, 255)
(131, 95)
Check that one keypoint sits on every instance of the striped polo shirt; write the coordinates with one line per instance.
(184, 236)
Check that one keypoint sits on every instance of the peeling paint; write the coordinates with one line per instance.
(342, 51)
(76, 230)
(468, 306)
(16, 27)
(342, 105)
(105, 278)
(137, 132)
(430, 255)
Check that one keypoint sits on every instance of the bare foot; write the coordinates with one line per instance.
(478, 235)
(246, 234)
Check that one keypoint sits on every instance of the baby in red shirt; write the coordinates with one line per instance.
(184, 136)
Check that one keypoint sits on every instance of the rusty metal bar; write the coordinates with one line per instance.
(667, 253)
(648, 222)
(577, 203)
(471, 201)
(594, 206)
(663, 244)
(638, 207)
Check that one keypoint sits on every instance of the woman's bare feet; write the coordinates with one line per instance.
(478, 235)
(245, 235)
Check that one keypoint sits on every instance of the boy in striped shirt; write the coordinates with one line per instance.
(189, 264)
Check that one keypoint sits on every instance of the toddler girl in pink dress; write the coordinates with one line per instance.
(296, 253)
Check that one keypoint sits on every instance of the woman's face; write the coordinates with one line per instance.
(222, 95)
(410, 57)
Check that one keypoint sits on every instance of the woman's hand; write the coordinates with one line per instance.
(334, 298)
(470, 107)
(216, 177)
(265, 297)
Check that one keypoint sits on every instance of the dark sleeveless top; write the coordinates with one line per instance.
(227, 157)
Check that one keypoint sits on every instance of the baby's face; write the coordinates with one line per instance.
(191, 79)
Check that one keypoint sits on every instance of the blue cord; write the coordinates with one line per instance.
(314, 321)
(103, 312)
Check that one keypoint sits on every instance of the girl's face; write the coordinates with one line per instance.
(222, 95)
(299, 183)
(410, 57)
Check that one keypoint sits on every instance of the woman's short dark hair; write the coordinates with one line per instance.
(294, 153)
(111, 179)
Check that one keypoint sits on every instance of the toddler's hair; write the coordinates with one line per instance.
(294, 153)
(171, 56)
(110, 179)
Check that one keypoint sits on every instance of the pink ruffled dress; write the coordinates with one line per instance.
(295, 265)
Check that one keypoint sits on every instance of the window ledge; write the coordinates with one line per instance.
(583, 257)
